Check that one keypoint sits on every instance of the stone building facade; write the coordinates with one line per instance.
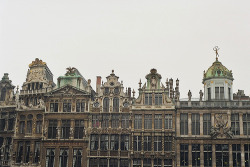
(69, 124)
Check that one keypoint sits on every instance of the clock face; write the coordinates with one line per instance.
(96, 104)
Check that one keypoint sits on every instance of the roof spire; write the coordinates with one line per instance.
(216, 49)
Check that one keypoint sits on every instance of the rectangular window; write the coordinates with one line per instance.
(27, 152)
(54, 107)
(104, 142)
(229, 94)
(157, 162)
(167, 162)
(66, 107)
(168, 121)
(124, 142)
(219, 93)
(158, 121)
(157, 143)
(65, 129)
(246, 124)
(221, 154)
(113, 162)
(93, 162)
(147, 162)
(207, 155)
(124, 163)
(209, 94)
(115, 121)
(137, 143)
(247, 154)
(148, 98)
(114, 142)
(195, 124)
(184, 124)
(105, 121)
(11, 123)
(195, 155)
(80, 106)
(103, 162)
(21, 127)
(136, 162)
(95, 121)
(206, 124)
(77, 157)
(236, 155)
(125, 121)
(168, 143)
(50, 157)
(79, 129)
(19, 157)
(235, 124)
(184, 154)
(52, 129)
(29, 127)
(147, 143)
(94, 142)
(138, 121)
(148, 121)
(37, 152)
(2, 124)
(158, 99)
(64, 153)
(39, 127)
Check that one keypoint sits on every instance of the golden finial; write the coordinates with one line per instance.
(216, 49)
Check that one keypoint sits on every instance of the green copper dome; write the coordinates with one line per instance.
(217, 70)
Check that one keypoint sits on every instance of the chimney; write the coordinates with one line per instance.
(98, 84)
(129, 92)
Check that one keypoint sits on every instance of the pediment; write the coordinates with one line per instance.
(68, 90)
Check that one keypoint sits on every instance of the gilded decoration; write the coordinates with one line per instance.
(37, 62)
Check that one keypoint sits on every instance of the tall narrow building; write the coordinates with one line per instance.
(153, 124)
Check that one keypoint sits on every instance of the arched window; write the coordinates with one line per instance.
(106, 104)
(64, 157)
(116, 104)
(3, 94)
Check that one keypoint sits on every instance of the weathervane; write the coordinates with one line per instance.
(216, 48)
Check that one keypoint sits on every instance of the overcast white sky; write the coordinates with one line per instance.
(129, 36)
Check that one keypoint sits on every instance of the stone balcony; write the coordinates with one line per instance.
(215, 104)
(36, 91)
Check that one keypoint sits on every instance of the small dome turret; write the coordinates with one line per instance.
(218, 81)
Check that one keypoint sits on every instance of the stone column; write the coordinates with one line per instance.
(189, 124)
(212, 119)
(241, 124)
(230, 155)
(178, 155)
(177, 124)
(213, 155)
(202, 154)
(201, 124)
(190, 155)
(242, 155)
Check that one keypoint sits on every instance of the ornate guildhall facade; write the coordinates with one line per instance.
(69, 124)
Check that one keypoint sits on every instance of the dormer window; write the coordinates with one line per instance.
(148, 98)
(106, 90)
(116, 90)
(158, 99)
